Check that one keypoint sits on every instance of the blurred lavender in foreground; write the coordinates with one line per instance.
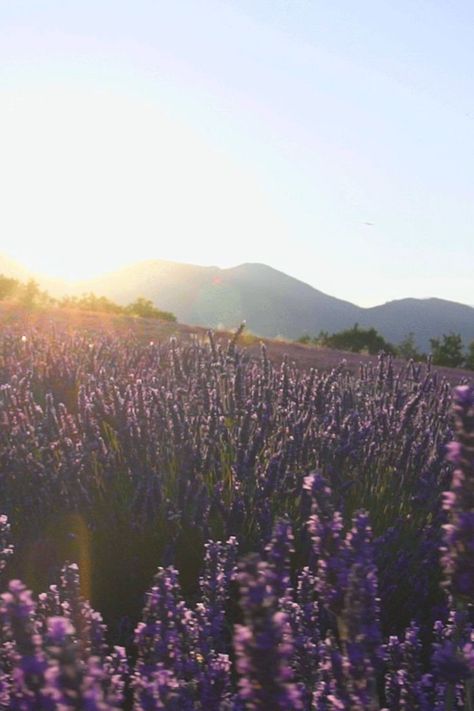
(263, 644)
(453, 658)
(179, 455)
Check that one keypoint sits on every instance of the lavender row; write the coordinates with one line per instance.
(312, 645)
(124, 456)
(154, 448)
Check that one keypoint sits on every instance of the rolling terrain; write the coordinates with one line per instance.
(272, 303)
(152, 330)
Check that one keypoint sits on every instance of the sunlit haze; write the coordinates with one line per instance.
(333, 141)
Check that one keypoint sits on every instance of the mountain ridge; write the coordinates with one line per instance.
(271, 302)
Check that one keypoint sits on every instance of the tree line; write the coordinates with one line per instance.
(30, 295)
(449, 350)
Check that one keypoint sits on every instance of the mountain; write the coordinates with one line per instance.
(426, 318)
(275, 304)
(271, 302)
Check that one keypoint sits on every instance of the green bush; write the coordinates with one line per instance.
(407, 348)
(448, 351)
(146, 309)
(470, 356)
(8, 287)
(356, 340)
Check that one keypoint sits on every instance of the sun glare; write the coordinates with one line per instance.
(93, 181)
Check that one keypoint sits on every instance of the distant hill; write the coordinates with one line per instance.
(271, 302)
(275, 304)
(426, 318)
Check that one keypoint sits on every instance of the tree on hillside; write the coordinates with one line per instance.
(448, 351)
(90, 302)
(8, 286)
(407, 348)
(31, 292)
(356, 340)
(146, 309)
(470, 356)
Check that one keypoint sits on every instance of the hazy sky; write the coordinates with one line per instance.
(332, 140)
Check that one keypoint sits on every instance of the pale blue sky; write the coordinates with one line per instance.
(332, 140)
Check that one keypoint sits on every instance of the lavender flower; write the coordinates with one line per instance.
(325, 526)
(26, 656)
(6, 547)
(278, 553)
(167, 638)
(458, 551)
(263, 645)
(219, 571)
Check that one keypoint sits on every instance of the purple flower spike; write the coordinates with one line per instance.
(6, 547)
(167, 639)
(458, 550)
(325, 526)
(25, 652)
(215, 684)
(157, 691)
(278, 553)
(219, 571)
(263, 645)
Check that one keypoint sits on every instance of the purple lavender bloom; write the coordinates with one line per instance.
(214, 684)
(458, 550)
(359, 625)
(88, 625)
(303, 617)
(452, 664)
(263, 645)
(406, 687)
(49, 605)
(157, 691)
(219, 571)
(361, 604)
(330, 692)
(278, 553)
(449, 665)
(73, 682)
(24, 648)
(167, 638)
(393, 660)
(357, 621)
(325, 526)
(6, 546)
(116, 674)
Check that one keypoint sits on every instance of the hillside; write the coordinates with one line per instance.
(275, 304)
(152, 330)
(427, 318)
(272, 303)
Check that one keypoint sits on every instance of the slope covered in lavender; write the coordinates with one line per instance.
(254, 536)
(272, 303)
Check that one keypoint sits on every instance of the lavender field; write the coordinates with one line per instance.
(189, 526)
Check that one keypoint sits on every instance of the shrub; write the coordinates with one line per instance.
(356, 340)
(146, 309)
(407, 348)
(448, 351)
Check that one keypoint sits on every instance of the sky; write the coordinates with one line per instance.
(331, 140)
